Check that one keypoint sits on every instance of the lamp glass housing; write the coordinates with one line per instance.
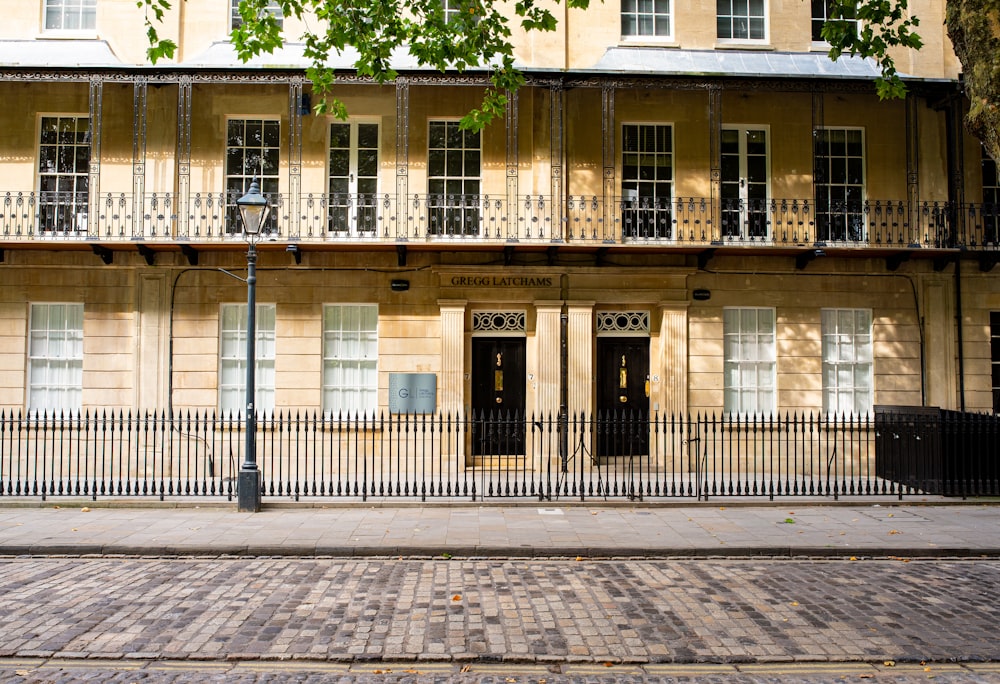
(253, 209)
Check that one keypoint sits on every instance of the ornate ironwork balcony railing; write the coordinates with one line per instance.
(682, 221)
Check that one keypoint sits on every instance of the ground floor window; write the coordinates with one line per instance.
(350, 359)
(847, 361)
(750, 360)
(233, 356)
(55, 357)
(995, 357)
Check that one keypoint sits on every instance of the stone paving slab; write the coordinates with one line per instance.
(724, 529)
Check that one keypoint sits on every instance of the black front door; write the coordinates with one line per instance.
(622, 396)
(498, 396)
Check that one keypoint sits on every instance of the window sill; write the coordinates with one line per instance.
(648, 41)
(69, 34)
(745, 45)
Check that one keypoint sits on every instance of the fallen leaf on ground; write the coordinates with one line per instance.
(456, 597)
(890, 663)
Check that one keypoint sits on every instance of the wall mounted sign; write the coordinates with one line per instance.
(501, 281)
(412, 392)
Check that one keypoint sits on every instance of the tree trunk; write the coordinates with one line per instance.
(974, 29)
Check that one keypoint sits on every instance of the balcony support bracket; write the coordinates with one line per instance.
(704, 257)
(107, 256)
(987, 262)
(295, 252)
(508, 255)
(602, 252)
(401, 255)
(2, 254)
(147, 254)
(191, 253)
(894, 261)
(940, 263)
(550, 254)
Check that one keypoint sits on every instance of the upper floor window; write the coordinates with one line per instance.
(55, 357)
(822, 13)
(750, 360)
(991, 200)
(70, 15)
(847, 361)
(63, 173)
(252, 151)
(233, 358)
(646, 18)
(741, 19)
(839, 168)
(353, 176)
(454, 165)
(647, 180)
(235, 20)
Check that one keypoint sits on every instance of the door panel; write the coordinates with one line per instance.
(498, 391)
(745, 169)
(622, 396)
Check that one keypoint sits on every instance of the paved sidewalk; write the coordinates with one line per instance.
(787, 528)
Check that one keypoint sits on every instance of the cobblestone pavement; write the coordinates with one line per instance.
(508, 613)
(161, 672)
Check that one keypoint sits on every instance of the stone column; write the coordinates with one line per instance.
(451, 392)
(580, 335)
(546, 381)
(669, 365)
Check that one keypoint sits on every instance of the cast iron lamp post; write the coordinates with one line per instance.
(253, 210)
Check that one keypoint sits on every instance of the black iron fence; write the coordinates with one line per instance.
(479, 457)
(939, 451)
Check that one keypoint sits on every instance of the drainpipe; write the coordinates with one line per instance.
(956, 197)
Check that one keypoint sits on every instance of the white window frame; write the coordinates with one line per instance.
(848, 361)
(359, 208)
(650, 216)
(744, 184)
(74, 10)
(235, 20)
(637, 12)
(819, 43)
(238, 183)
(765, 17)
(350, 376)
(750, 361)
(55, 349)
(450, 209)
(233, 355)
(61, 209)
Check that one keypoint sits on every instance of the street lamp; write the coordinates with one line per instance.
(253, 210)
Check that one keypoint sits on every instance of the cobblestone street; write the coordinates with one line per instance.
(553, 615)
